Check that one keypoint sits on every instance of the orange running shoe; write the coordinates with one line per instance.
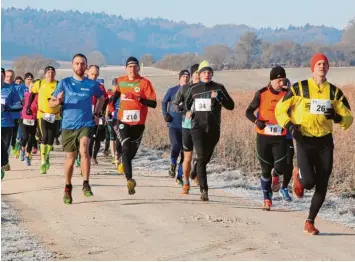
(297, 187)
(185, 189)
(310, 228)
(267, 205)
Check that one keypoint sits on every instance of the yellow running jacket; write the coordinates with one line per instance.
(305, 104)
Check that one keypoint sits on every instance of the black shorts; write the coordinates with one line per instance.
(187, 142)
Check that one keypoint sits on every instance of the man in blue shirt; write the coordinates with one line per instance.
(174, 120)
(10, 102)
(75, 94)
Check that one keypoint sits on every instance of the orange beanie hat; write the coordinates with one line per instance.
(316, 58)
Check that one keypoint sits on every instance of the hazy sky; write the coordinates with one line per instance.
(256, 13)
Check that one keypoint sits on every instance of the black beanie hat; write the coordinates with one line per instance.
(184, 72)
(27, 75)
(277, 72)
(132, 61)
(49, 68)
(194, 68)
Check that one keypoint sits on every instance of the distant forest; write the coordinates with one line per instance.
(109, 39)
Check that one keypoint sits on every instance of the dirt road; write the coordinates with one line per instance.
(158, 223)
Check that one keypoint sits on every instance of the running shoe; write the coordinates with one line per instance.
(28, 161)
(22, 155)
(267, 205)
(106, 153)
(87, 190)
(57, 141)
(34, 150)
(276, 183)
(48, 165)
(13, 150)
(185, 189)
(310, 228)
(172, 170)
(285, 195)
(297, 187)
(2, 173)
(131, 184)
(113, 160)
(179, 181)
(77, 161)
(7, 167)
(204, 196)
(94, 161)
(67, 195)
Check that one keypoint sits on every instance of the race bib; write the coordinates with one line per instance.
(101, 121)
(49, 117)
(319, 106)
(131, 116)
(3, 101)
(28, 122)
(273, 130)
(203, 104)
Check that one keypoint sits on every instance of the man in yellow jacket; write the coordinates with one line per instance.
(314, 105)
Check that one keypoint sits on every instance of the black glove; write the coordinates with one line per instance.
(295, 131)
(168, 118)
(330, 114)
(28, 111)
(7, 108)
(261, 124)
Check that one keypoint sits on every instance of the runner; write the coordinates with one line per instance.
(205, 104)
(114, 141)
(180, 102)
(18, 80)
(137, 94)
(99, 130)
(315, 104)
(28, 127)
(28, 83)
(48, 118)
(9, 79)
(75, 93)
(174, 121)
(271, 138)
(10, 101)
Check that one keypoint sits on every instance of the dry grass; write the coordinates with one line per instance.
(237, 145)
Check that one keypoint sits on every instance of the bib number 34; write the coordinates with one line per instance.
(203, 104)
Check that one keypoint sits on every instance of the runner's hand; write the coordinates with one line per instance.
(96, 120)
(188, 114)
(330, 114)
(261, 124)
(168, 118)
(214, 94)
(60, 96)
(295, 132)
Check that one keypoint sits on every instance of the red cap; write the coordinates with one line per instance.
(317, 57)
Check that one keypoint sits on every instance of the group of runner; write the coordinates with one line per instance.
(304, 111)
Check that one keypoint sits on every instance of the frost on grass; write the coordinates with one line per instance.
(335, 208)
(16, 243)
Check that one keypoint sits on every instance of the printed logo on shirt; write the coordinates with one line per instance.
(121, 126)
(85, 89)
(137, 89)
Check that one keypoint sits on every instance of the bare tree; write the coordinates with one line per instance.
(248, 51)
(220, 56)
(33, 64)
(96, 58)
(178, 62)
(147, 60)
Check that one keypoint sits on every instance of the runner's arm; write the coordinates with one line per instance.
(57, 96)
(99, 105)
(148, 102)
(164, 103)
(343, 110)
(115, 97)
(224, 99)
(254, 105)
